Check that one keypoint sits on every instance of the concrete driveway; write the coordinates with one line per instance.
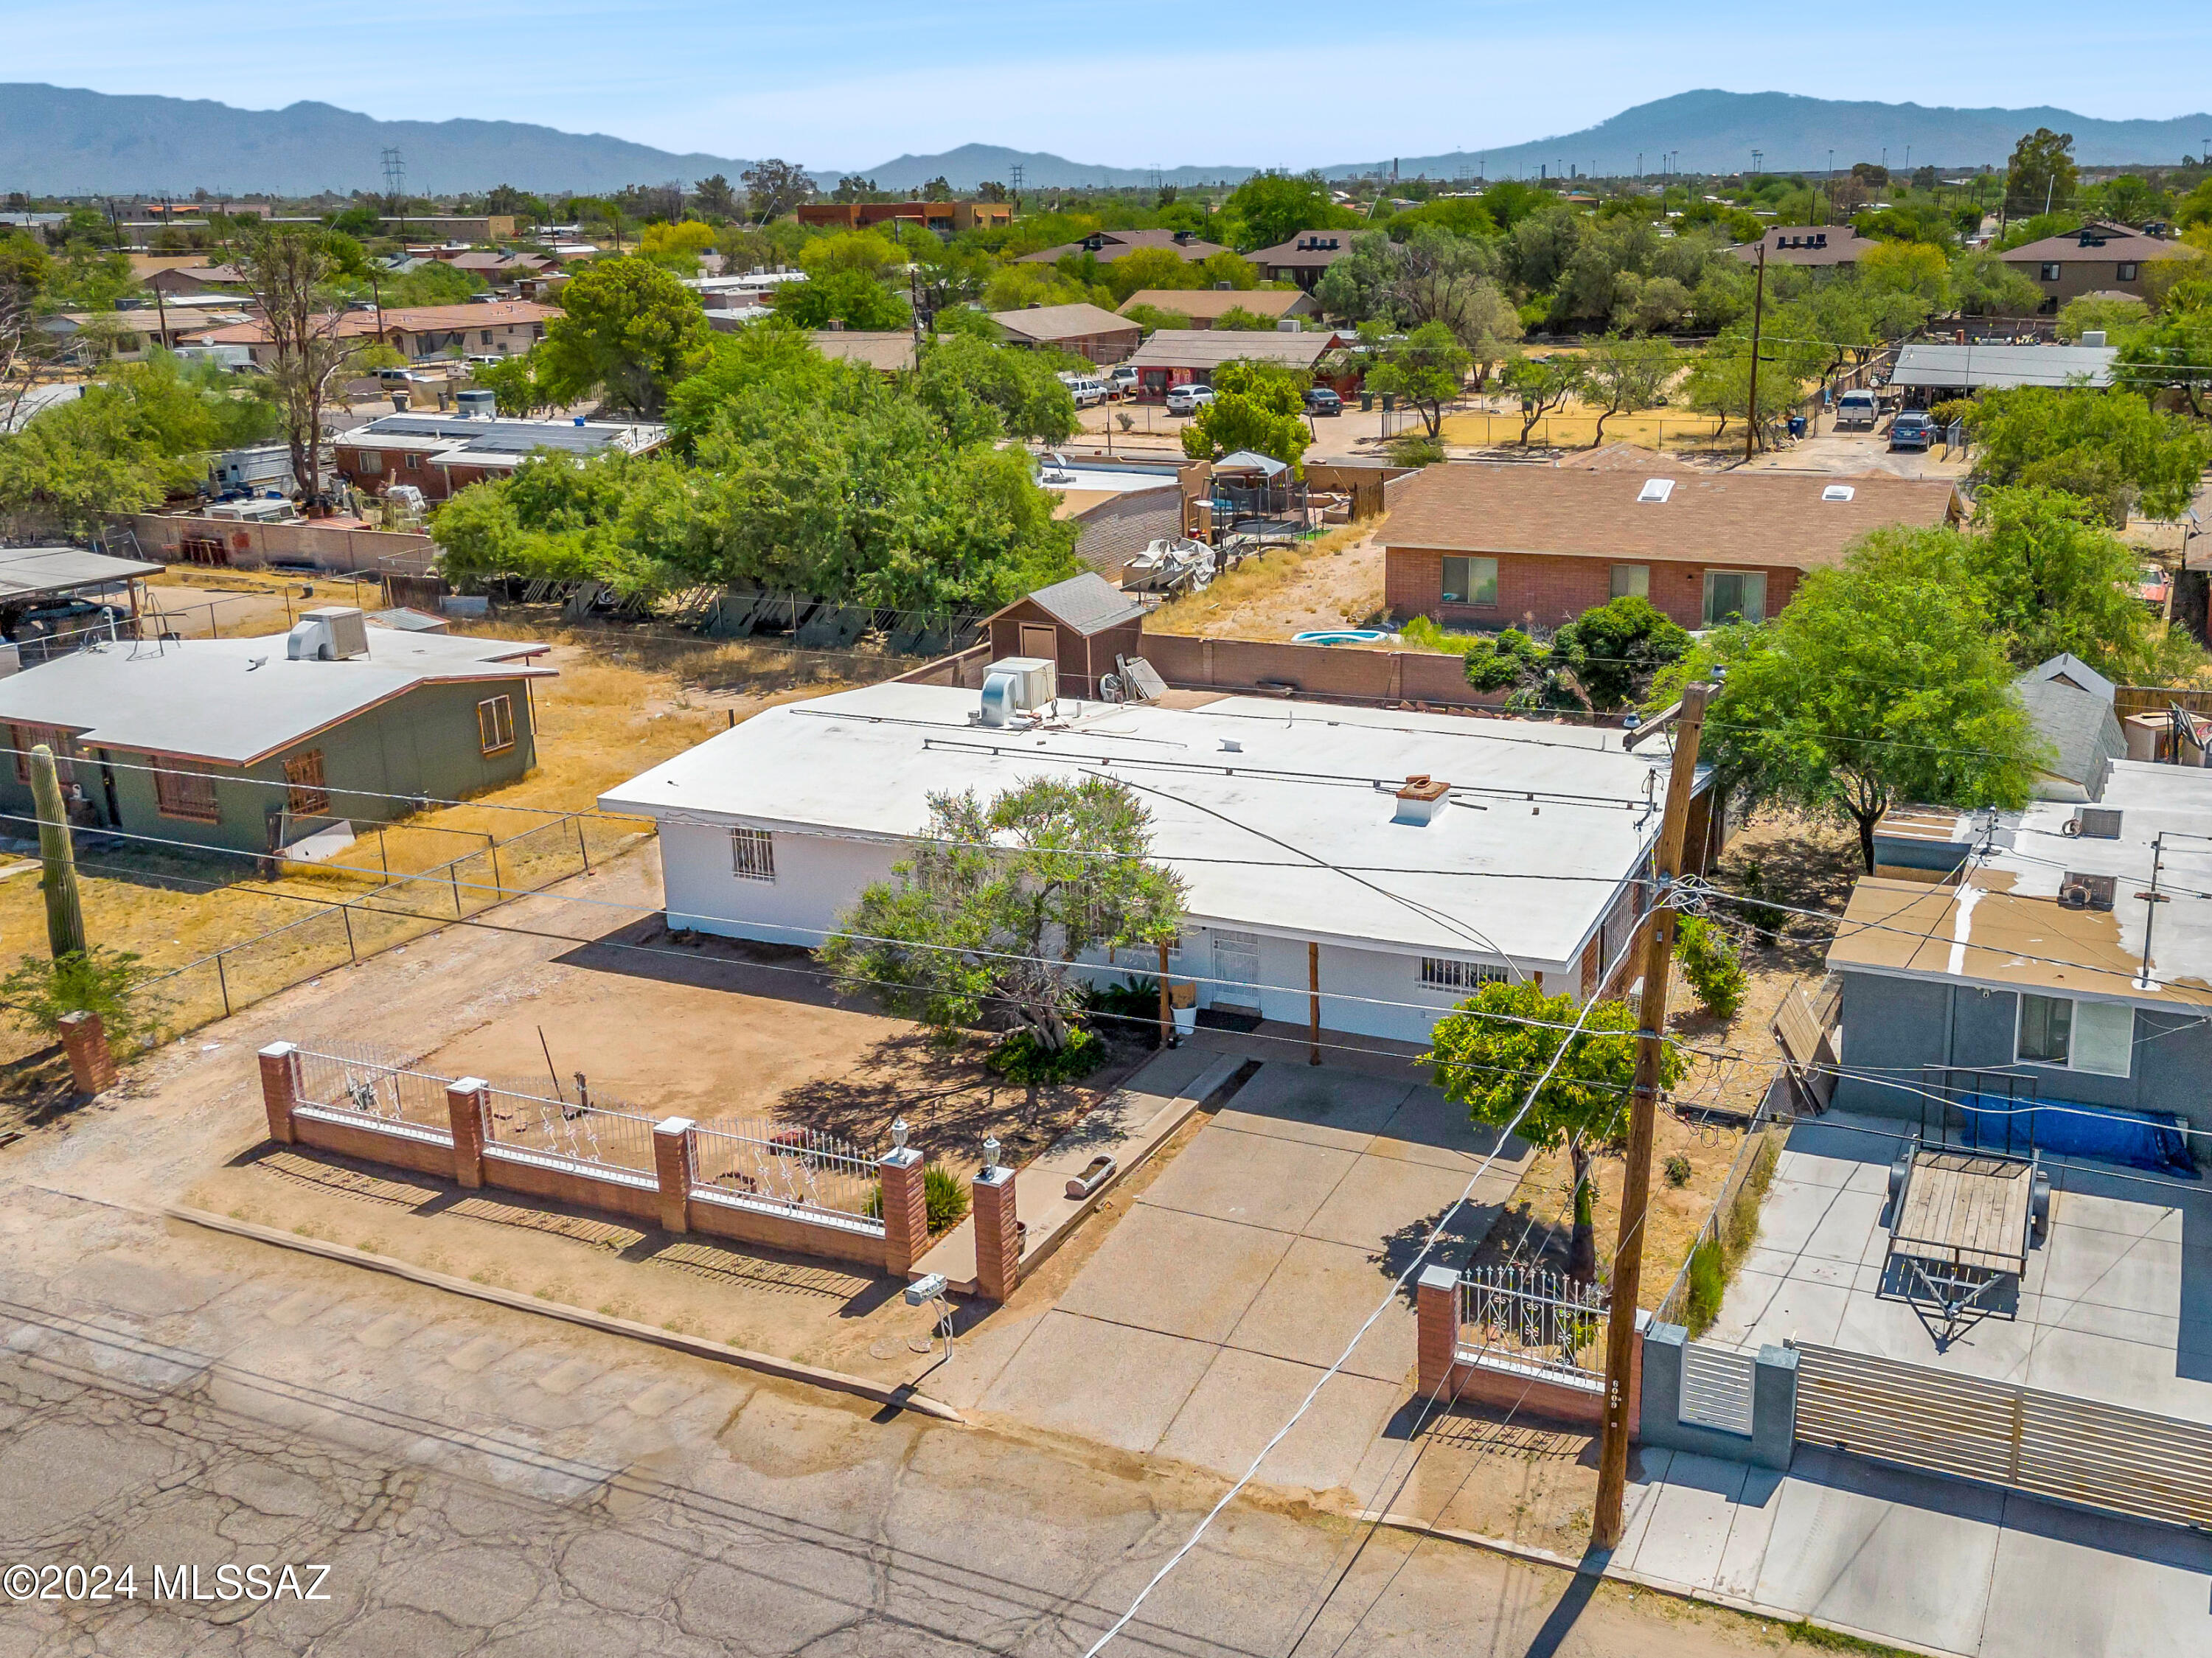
(1243, 1269)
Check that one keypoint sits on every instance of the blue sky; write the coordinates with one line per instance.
(1134, 84)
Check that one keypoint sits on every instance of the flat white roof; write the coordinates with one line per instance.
(1289, 833)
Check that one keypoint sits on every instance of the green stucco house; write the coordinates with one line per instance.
(250, 744)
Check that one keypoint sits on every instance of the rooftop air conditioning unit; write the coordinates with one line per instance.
(1016, 685)
(337, 633)
(2095, 823)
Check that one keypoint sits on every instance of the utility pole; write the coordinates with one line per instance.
(1758, 313)
(1688, 721)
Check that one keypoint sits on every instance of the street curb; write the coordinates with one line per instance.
(1585, 1567)
(903, 1398)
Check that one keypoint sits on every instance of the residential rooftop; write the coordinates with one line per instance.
(1943, 364)
(1279, 817)
(1207, 349)
(1775, 519)
(2004, 927)
(234, 701)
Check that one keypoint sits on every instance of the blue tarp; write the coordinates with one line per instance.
(2140, 1140)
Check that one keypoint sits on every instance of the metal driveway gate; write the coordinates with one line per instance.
(2074, 1450)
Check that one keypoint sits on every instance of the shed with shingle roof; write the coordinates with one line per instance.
(1080, 624)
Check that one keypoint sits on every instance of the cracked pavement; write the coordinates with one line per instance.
(482, 1481)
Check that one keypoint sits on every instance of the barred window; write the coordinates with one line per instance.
(29, 737)
(496, 724)
(307, 795)
(752, 855)
(1449, 973)
(182, 790)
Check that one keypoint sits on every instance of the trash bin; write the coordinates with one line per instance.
(1796, 426)
(1366, 402)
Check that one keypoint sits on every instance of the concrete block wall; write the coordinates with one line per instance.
(162, 537)
(1188, 661)
(1773, 1404)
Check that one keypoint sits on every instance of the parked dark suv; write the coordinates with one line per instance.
(1320, 400)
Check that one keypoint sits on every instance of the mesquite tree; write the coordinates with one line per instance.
(999, 899)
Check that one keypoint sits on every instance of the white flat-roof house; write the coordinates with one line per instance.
(1292, 825)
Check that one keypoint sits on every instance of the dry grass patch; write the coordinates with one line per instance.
(1330, 581)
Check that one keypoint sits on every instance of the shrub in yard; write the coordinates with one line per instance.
(113, 983)
(943, 1198)
(1679, 1171)
(1707, 1280)
(1709, 961)
(1022, 1059)
(945, 1195)
(1416, 449)
(1133, 1005)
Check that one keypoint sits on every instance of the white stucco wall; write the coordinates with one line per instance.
(1365, 992)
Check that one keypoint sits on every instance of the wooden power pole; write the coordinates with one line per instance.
(1688, 721)
(1758, 316)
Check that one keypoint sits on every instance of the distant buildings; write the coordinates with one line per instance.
(1108, 245)
(440, 454)
(943, 217)
(1817, 246)
(497, 328)
(1303, 258)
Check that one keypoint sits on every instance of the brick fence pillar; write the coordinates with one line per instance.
(675, 1157)
(280, 1089)
(906, 1210)
(92, 1064)
(467, 1100)
(998, 1235)
(1436, 1307)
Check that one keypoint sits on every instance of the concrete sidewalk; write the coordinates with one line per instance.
(1933, 1565)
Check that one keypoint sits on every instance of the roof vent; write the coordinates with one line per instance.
(2095, 823)
(2077, 891)
(336, 633)
(1422, 800)
(1837, 492)
(1655, 491)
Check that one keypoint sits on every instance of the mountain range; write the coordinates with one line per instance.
(63, 141)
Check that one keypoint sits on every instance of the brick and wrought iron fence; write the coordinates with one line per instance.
(1531, 1316)
(789, 1167)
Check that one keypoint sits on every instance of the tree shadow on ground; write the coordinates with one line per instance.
(950, 1099)
(37, 1091)
(1455, 1245)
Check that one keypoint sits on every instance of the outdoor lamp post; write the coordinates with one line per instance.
(990, 1154)
(898, 1134)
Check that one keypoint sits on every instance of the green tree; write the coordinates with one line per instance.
(2114, 313)
(773, 188)
(1620, 376)
(629, 329)
(1615, 649)
(1920, 270)
(1260, 406)
(983, 390)
(2040, 177)
(851, 297)
(1983, 285)
(2111, 446)
(115, 984)
(1271, 208)
(2173, 350)
(518, 388)
(1152, 318)
(1489, 1053)
(289, 269)
(1720, 381)
(1237, 320)
(1871, 688)
(1542, 383)
(2048, 575)
(675, 247)
(131, 439)
(1426, 369)
(999, 899)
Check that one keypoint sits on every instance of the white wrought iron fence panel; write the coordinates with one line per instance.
(1531, 1315)
(778, 1162)
(578, 1131)
(1717, 1383)
(373, 1083)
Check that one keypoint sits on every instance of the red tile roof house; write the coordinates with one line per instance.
(1477, 545)
(503, 328)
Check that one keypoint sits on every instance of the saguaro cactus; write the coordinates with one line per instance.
(64, 911)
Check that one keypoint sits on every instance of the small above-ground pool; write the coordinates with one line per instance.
(1341, 636)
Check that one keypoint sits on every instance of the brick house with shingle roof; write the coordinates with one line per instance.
(1489, 545)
